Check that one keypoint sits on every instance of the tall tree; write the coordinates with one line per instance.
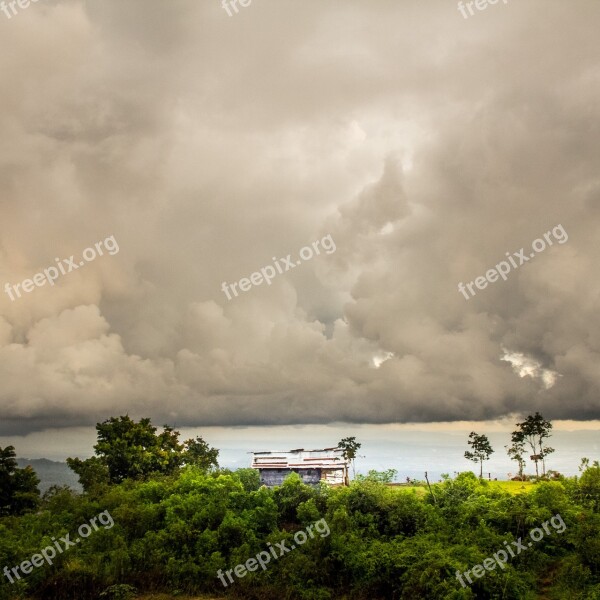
(516, 452)
(533, 431)
(349, 446)
(198, 452)
(481, 450)
(19, 490)
(127, 449)
(133, 449)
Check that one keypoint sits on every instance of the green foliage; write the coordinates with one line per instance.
(386, 476)
(198, 453)
(19, 492)
(349, 447)
(250, 479)
(121, 591)
(290, 495)
(516, 452)
(92, 473)
(134, 450)
(589, 487)
(127, 449)
(481, 449)
(174, 531)
(533, 432)
(177, 532)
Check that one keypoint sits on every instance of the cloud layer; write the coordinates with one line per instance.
(425, 144)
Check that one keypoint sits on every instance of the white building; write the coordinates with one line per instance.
(327, 465)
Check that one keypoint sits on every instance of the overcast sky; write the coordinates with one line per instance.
(425, 145)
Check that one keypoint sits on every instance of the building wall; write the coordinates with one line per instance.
(326, 465)
(334, 476)
(273, 477)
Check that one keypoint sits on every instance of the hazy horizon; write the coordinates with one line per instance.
(410, 449)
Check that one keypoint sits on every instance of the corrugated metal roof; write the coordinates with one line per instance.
(298, 450)
(300, 459)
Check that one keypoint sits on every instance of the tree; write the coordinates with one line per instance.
(482, 450)
(585, 463)
(349, 447)
(386, 476)
(249, 478)
(127, 449)
(197, 452)
(19, 491)
(93, 473)
(516, 452)
(133, 450)
(589, 484)
(533, 431)
(547, 450)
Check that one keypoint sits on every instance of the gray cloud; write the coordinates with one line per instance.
(427, 145)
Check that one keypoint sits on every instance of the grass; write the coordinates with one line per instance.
(512, 487)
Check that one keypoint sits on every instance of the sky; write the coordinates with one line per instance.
(410, 449)
(416, 148)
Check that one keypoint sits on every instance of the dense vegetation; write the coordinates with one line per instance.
(173, 531)
(18, 487)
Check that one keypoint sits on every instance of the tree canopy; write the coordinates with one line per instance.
(349, 447)
(533, 431)
(127, 449)
(481, 450)
(18, 487)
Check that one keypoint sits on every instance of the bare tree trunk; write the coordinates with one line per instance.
(430, 490)
(543, 460)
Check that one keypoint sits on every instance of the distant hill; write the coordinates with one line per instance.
(51, 473)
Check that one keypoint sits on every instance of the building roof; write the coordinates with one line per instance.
(329, 458)
(334, 449)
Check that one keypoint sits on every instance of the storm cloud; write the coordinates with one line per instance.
(428, 146)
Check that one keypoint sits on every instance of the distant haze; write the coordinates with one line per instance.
(411, 449)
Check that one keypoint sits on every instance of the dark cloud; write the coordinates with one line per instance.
(425, 144)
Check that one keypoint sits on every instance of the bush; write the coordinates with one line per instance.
(121, 591)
